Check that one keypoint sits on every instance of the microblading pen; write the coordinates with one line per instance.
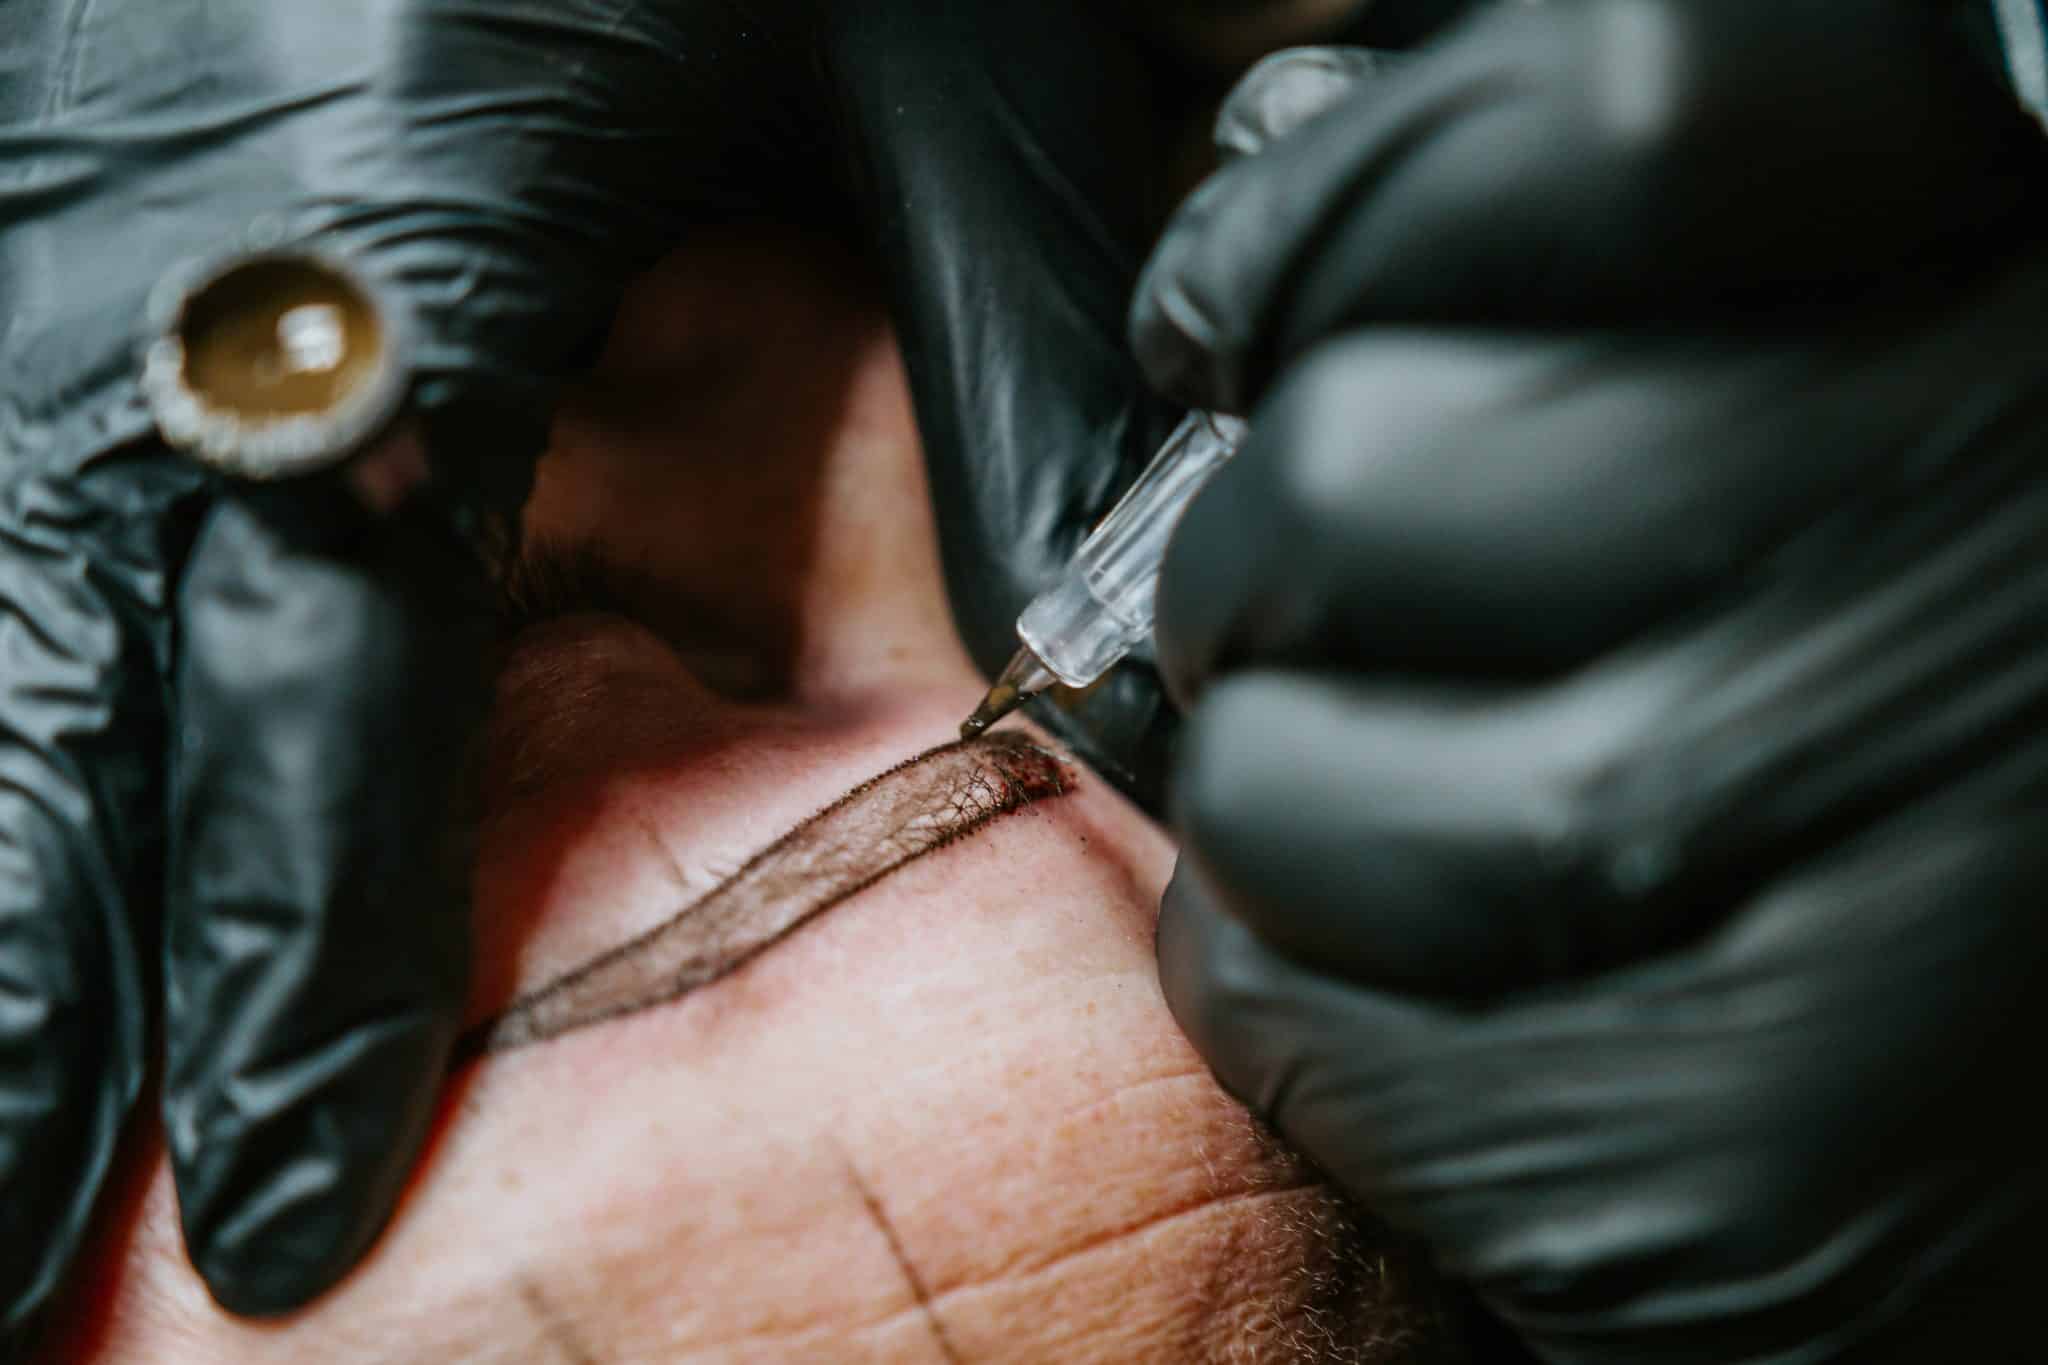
(1102, 606)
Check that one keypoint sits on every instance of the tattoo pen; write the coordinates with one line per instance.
(1101, 607)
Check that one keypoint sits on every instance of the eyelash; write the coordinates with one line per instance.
(548, 581)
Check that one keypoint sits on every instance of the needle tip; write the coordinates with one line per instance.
(1000, 702)
(1024, 679)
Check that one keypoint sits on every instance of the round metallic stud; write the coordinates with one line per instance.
(273, 362)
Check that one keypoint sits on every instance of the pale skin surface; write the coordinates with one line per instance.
(950, 1119)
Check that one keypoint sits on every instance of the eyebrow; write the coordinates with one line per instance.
(881, 826)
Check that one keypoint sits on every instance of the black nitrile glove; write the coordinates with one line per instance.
(1616, 787)
(1016, 162)
(227, 715)
(1013, 164)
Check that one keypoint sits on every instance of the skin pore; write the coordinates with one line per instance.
(945, 1118)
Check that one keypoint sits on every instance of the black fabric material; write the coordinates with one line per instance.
(1617, 773)
(228, 719)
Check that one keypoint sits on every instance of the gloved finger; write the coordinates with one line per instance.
(1614, 161)
(1459, 841)
(1415, 841)
(504, 166)
(1012, 210)
(316, 947)
(1300, 1048)
(1391, 1098)
(1543, 1142)
(1491, 505)
(1289, 89)
(81, 740)
(536, 155)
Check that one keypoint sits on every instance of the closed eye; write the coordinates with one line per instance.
(550, 580)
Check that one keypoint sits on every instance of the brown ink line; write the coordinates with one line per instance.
(916, 808)
(552, 1324)
(927, 1302)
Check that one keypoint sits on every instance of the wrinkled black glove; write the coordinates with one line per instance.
(227, 715)
(1015, 164)
(1616, 788)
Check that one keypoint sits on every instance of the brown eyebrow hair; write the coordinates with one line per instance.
(916, 808)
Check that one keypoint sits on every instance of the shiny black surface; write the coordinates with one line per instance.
(228, 720)
(1616, 783)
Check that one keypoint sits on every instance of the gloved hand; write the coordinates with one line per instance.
(1014, 164)
(1616, 788)
(228, 714)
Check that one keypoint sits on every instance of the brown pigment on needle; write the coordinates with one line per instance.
(1001, 700)
(882, 825)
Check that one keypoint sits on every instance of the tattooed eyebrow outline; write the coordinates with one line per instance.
(886, 823)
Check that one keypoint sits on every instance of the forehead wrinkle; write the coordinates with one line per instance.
(881, 826)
